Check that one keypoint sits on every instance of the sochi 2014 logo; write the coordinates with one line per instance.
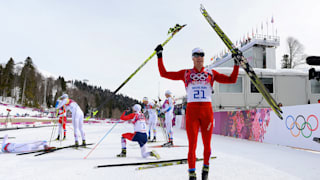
(300, 123)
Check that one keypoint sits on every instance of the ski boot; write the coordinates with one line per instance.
(83, 143)
(58, 138)
(76, 144)
(168, 144)
(48, 148)
(154, 154)
(192, 175)
(123, 153)
(316, 139)
(64, 137)
(148, 138)
(205, 172)
(154, 139)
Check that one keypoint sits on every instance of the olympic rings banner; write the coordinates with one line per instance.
(297, 129)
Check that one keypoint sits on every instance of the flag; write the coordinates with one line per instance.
(252, 32)
(261, 25)
(272, 20)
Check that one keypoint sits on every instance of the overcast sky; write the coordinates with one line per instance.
(105, 41)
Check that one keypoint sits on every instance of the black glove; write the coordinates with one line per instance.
(128, 111)
(236, 62)
(159, 50)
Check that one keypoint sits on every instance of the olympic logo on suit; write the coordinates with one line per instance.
(199, 76)
(301, 127)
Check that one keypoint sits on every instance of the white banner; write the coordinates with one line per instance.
(297, 129)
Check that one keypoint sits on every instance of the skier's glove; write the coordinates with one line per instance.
(236, 63)
(159, 50)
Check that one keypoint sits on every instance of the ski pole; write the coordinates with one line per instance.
(101, 140)
(53, 128)
(164, 131)
(171, 31)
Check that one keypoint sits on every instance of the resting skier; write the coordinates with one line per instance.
(151, 108)
(23, 147)
(198, 83)
(139, 134)
(167, 109)
(62, 114)
(77, 117)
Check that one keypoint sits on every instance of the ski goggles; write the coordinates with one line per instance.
(198, 54)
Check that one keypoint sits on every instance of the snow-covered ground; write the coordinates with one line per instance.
(236, 158)
(18, 111)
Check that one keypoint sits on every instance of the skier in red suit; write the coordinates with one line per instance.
(198, 83)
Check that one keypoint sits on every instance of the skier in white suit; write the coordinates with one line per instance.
(77, 116)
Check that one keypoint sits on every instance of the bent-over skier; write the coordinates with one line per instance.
(77, 117)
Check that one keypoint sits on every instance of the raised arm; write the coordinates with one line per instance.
(179, 75)
(222, 78)
(63, 102)
(127, 117)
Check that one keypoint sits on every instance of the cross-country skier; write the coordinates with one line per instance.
(23, 147)
(77, 116)
(198, 83)
(62, 114)
(167, 109)
(151, 108)
(139, 134)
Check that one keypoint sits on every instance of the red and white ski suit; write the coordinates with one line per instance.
(77, 116)
(199, 111)
(62, 114)
(139, 135)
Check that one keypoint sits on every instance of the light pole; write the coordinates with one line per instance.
(24, 83)
(16, 72)
(24, 87)
(45, 93)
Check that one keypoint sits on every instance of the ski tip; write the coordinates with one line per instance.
(202, 9)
